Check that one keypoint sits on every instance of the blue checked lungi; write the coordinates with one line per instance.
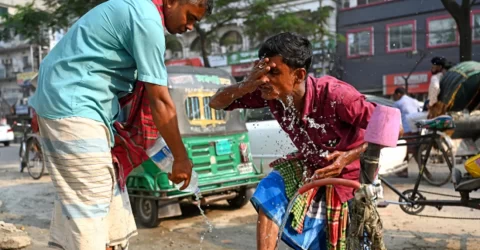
(90, 211)
(270, 196)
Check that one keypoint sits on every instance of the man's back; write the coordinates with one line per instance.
(407, 105)
(87, 71)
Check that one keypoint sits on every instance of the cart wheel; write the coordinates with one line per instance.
(412, 209)
(436, 171)
(243, 197)
(147, 212)
(34, 159)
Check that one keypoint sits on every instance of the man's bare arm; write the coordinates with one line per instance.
(165, 118)
(226, 95)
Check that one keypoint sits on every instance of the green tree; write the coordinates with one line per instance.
(461, 14)
(33, 23)
(260, 24)
(28, 22)
(225, 12)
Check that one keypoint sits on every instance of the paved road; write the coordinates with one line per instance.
(28, 203)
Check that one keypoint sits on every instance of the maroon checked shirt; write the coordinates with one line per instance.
(334, 117)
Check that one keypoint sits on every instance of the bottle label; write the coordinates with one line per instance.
(162, 155)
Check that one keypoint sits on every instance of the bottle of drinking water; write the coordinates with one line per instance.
(163, 158)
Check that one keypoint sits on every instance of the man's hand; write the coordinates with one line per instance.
(334, 169)
(258, 75)
(227, 95)
(165, 118)
(341, 159)
(181, 171)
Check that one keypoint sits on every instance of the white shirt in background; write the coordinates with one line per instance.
(434, 88)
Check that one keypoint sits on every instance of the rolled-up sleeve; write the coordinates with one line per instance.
(249, 101)
(146, 44)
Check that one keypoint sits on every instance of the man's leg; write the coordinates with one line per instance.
(77, 155)
(267, 232)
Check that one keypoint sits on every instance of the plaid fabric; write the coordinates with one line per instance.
(291, 170)
(139, 132)
(159, 5)
(337, 217)
(135, 135)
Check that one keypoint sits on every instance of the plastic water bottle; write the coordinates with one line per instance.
(163, 158)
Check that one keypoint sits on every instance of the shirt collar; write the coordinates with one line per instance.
(308, 105)
(159, 5)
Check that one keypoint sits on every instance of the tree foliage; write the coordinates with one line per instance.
(259, 18)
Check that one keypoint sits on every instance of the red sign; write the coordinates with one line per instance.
(195, 62)
(417, 83)
(241, 69)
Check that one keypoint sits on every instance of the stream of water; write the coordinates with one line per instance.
(207, 222)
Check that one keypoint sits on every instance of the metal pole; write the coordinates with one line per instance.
(32, 60)
(39, 56)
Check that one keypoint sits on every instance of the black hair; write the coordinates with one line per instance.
(295, 50)
(441, 61)
(208, 4)
(209, 7)
(400, 91)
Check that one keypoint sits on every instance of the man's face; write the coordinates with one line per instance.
(396, 96)
(181, 15)
(436, 69)
(281, 80)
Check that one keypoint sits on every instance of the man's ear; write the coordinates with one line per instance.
(300, 74)
(170, 3)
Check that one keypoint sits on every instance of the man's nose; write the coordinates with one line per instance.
(190, 27)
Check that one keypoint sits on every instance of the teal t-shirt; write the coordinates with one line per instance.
(98, 61)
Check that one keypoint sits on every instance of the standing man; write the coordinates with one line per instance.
(325, 118)
(439, 67)
(77, 101)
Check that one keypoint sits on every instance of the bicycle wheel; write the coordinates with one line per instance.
(436, 171)
(34, 158)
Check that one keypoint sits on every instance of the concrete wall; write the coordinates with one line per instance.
(366, 73)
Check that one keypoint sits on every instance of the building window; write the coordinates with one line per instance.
(441, 32)
(475, 17)
(347, 4)
(192, 106)
(360, 42)
(401, 36)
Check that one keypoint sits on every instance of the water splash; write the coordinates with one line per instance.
(207, 222)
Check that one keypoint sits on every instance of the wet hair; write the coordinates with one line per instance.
(207, 3)
(295, 50)
(441, 61)
(400, 91)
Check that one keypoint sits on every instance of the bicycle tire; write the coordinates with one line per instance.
(442, 181)
(27, 158)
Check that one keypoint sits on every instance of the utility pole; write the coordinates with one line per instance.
(422, 56)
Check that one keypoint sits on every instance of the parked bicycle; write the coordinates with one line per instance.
(433, 150)
(413, 201)
(31, 156)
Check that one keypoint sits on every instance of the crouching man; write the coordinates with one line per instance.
(325, 118)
